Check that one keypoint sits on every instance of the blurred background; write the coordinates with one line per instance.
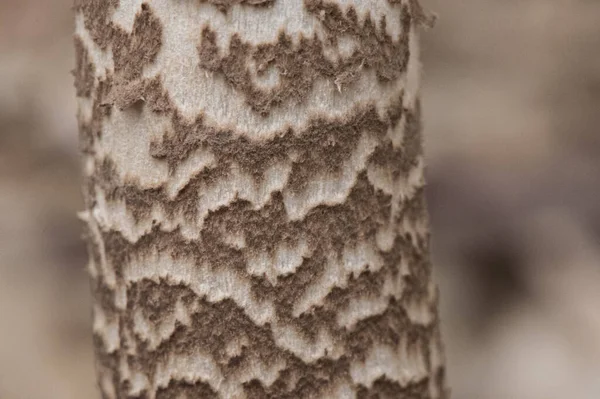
(512, 116)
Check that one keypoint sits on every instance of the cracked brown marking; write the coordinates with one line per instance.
(97, 15)
(402, 159)
(91, 130)
(321, 147)
(301, 380)
(329, 227)
(384, 388)
(304, 150)
(84, 72)
(385, 328)
(215, 324)
(132, 51)
(148, 91)
(224, 5)
(179, 389)
(300, 66)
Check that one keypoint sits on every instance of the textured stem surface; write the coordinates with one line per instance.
(254, 199)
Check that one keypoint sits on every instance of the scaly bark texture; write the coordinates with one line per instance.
(254, 192)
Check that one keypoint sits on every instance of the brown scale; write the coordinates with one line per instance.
(320, 147)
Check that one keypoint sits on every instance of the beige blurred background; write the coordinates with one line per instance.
(512, 111)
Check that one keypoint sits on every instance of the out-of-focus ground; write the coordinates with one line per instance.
(512, 109)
